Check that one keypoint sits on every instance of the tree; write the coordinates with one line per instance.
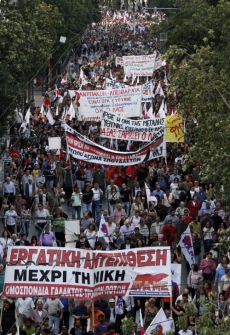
(200, 74)
(27, 35)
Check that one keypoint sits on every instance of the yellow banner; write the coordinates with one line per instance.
(174, 128)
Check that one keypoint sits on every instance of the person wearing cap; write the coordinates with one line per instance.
(114, 314)
(23, 241)
(127, 244)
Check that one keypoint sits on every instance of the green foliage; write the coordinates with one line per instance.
(199, 48)
(127, 326)
(29, 33)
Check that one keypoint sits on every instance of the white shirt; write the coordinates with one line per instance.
(96, 194)
(112, 318)
(187, 332)
(25, 306)
(111, 228)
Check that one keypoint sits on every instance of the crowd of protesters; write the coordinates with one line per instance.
(39, 180)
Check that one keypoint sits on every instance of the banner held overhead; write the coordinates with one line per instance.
(86, 274)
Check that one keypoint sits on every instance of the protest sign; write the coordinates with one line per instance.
(142, 65)
(147, 88)
(82, 148)
(125, 101)
(94, 153)
(115, 126)
(86, 274)
(174, 128)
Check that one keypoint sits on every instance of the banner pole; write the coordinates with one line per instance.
(93, 314)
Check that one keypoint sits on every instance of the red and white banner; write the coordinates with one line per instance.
(116, 126)
(82, 148)
(86, 274)
(125, 101)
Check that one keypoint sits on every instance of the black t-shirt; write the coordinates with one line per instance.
(87, 196)
(125, 192)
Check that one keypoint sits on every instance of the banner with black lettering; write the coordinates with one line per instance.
(115, 126)
(86, 274)
(147, 88)
(125, 101)
(82, 148)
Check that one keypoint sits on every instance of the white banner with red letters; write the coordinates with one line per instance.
(86, 274)
(119, 127)
(125, 101)
(82, 148)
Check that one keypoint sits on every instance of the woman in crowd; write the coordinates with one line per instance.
(58, 225)
(6, 241)
(34, 242)
(150, 312)
(90, 235)
(195, 279)
(113, 198)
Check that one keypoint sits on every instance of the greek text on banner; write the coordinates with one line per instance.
(115, 126)
(82, 148)
(87, 274)
(174, 128)
(125, 101)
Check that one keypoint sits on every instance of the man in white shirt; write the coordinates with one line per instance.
(10, 219)
(54, 307)
(170, 320)
(110, 226)
(24, 308)
(41, 216)
(97, 194)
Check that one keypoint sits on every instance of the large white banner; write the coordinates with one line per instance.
(115, 126)
(85, 274)
(79, 147)
(147, 88)
(157, 64)
(125, 101)
(139, 65)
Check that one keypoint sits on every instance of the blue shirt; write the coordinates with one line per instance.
(220, 271)
(8, 188)
(160, 193)
(81, 311)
